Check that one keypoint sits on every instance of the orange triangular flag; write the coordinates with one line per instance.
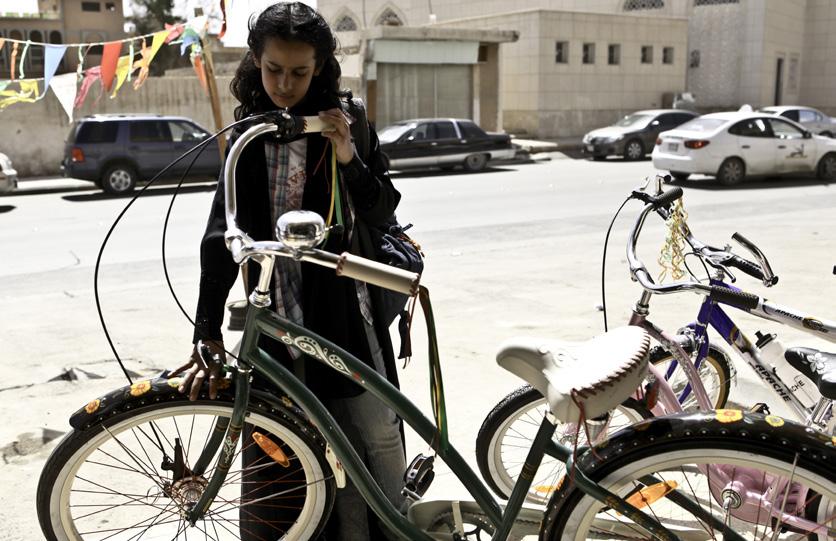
(201, 73)
(2, 42)
(110, 59)
(14, 59)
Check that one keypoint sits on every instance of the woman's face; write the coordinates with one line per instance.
(287, 68)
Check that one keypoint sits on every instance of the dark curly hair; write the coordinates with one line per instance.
(288, 21)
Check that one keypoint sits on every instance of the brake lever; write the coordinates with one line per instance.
(769, 278)
(717, 260)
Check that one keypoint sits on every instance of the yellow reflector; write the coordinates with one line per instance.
(545, 488)
(649, 495)
(271, 449)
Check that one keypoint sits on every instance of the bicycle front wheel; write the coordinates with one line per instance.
(715, 374)
(696, 474)
(129, 476)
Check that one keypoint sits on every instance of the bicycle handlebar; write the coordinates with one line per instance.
(243, 247)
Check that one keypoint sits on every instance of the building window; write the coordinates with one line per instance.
(667, 55)
(110, 6)
(561, 52)
(698, 3)
(345, 24)
(389, 18)
(638, 5)
(614, 54)
(588, 53)
(36, 54)
(694, 61)
(647, 54)
(91, 6)
(792, 74)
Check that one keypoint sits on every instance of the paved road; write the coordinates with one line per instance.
(513, 250)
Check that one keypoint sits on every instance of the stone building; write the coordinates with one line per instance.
(579, 64)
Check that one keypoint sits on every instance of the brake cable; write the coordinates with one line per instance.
(604, 262)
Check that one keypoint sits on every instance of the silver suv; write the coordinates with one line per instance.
(117, 151)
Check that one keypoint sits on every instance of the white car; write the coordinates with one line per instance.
(8, 176)
(812, 119)
(732, 146)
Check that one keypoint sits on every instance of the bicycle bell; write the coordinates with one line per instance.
(300, 229)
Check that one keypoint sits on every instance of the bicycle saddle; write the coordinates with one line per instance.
(597, 374)
(817, 365)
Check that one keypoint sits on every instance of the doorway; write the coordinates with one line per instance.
(779, 80)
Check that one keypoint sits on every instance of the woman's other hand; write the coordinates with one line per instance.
(207, 359)
(339, 135)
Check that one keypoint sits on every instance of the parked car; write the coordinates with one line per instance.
(634, 135)
(117, 151)
(732, 146)
(812, 119)
(442, 142)
(8, 176)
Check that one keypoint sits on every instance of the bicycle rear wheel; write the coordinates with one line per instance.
(681, 470)
(508, 431)
(128, 476)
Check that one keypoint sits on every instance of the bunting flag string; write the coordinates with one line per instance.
(72, 89)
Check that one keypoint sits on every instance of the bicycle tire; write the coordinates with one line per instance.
(715, 372)
(493, 445)
(95, 454)
(727, 442)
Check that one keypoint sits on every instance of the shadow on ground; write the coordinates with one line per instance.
(710, 183)
(150, 192)
(440, 173)
(6, 208)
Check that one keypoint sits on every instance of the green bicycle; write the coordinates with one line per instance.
(143, 462)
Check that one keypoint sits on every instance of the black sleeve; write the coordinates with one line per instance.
(218, 271)
(374, 196)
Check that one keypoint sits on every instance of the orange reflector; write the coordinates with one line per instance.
(547, 489)
(271, 449)
(649, 495)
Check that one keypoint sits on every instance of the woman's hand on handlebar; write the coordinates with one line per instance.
(207, 359)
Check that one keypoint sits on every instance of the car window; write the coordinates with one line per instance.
(445, 130)
(390, 134)
(792, 114)
(700, 124)
(807, 116)
(185, 131)
(471, 131)
(785, 130)
(681, 118)
(422, 132)
(634, 121)
(150, 131)
(751, 127)
(97, 132)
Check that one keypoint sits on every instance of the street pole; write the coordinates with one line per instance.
(214, 98)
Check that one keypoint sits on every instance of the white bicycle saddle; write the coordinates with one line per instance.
(601, 372)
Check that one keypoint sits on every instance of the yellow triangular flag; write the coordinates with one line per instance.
(123, 67)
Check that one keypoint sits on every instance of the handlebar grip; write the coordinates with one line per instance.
(752, 269)
(739, 299)
(667, 197)
(378, 274)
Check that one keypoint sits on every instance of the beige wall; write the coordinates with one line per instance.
(818, 71)
(543, 98)
(416, 12)
(35, 132)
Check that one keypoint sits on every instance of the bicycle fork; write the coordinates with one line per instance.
(225, 435)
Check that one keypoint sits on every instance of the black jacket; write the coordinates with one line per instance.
(330, 303)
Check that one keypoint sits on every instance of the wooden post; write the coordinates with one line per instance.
(212, 85)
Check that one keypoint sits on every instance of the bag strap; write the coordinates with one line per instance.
(360, 128)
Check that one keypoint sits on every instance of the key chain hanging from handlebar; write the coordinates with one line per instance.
(672, 256)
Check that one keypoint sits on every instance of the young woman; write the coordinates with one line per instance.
(291, 65)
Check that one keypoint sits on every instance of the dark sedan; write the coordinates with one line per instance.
(634, 135)
(444, 143)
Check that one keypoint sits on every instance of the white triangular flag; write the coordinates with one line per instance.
(65, 87)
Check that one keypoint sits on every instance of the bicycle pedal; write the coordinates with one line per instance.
(760, 407)
(419, 475)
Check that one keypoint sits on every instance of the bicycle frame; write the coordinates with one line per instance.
(262, 321)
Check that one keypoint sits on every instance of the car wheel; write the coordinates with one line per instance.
(633, 150)
(732, 171)
(826, 169)
(118, 179)
(475, 162)
(680, 176)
